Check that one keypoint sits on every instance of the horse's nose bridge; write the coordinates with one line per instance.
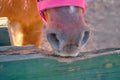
(73, 37)
(70, 41)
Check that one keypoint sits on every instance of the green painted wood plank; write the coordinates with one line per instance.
(99, 68)
(4, 37)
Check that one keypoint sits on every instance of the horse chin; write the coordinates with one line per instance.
(67, 54)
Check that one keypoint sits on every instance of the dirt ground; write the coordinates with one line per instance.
(103, 18)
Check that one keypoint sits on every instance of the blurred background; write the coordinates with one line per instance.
(103, 17)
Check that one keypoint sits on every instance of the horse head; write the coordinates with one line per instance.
(66, 29)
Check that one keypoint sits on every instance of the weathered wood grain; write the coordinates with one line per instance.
(31, 51)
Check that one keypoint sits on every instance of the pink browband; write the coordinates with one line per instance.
(46, 4)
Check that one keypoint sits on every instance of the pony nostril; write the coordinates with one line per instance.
(85, 38)
(38, 0)
(54, 41)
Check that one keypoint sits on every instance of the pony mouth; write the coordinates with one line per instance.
(66, 54)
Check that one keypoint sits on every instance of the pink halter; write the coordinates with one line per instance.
(46, 4)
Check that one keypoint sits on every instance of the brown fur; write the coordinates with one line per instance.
(24, 18)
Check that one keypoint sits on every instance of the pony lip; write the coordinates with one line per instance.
(66, 54)
(47, 4)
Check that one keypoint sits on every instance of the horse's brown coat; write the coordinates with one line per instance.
(24, 16)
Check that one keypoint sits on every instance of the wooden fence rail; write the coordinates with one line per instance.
(30, 63)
